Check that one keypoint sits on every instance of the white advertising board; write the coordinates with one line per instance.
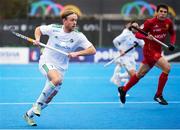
(14, 55)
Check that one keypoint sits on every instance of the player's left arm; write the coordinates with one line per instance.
(172, 36)
(88, 51)
(88, 48)
(172, 33)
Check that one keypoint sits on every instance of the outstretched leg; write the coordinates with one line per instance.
(50, 90)
(144, 68)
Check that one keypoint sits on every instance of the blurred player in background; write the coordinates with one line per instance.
(159, 27)
(53, 64)
(123, 42)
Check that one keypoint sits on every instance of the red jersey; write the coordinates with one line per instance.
(159, 29)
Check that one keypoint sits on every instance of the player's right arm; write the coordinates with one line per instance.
(43, 30)
(37, 35)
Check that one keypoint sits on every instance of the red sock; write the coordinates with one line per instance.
(162, 81)
(133, 80)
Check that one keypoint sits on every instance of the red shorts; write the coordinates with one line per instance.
(151, 58)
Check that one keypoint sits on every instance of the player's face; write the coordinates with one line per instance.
(162, 13)
(70, 22)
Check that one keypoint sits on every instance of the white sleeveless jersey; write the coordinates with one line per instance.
(126, 40)
(67, 42)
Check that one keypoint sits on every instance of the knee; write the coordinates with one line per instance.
(131, 73)
(140, 74)
(56, 81)
(167, 69)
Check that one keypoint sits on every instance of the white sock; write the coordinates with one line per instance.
(30, 112)
(46, 92)
(44, 106)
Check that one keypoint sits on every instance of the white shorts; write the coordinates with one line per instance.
(45, 67)
(128, 62)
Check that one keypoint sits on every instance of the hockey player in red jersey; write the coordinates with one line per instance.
(157, 27)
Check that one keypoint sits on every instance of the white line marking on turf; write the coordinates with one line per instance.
(84, 103)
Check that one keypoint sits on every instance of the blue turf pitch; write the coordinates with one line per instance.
(87, 100)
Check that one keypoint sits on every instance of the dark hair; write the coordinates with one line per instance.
(66, 13)
(161, 6)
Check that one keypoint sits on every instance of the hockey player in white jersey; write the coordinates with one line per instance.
(53, 64)
(123, 42)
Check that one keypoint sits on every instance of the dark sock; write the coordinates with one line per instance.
(162, 81)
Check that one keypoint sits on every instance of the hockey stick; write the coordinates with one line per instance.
(40, 43)
(114, 59)
(146, 34)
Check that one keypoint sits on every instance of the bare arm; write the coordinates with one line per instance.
(37, 35)
(89, 51)
(172, 34)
